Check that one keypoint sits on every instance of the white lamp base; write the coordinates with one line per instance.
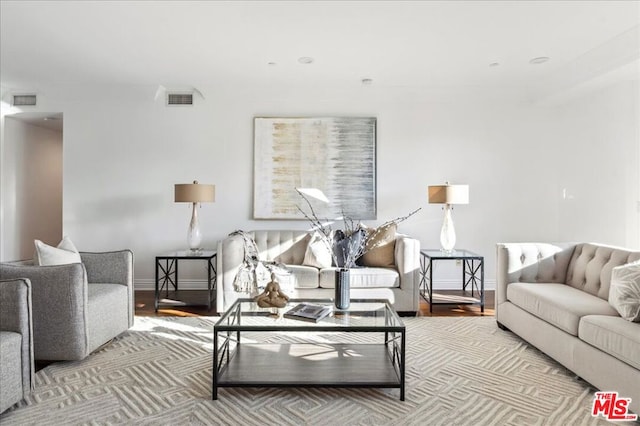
(194, 236)
(448, 232)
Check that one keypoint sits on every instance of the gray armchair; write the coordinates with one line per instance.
(16, 342)
(78, 307)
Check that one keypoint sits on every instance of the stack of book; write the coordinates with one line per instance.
(309, 312)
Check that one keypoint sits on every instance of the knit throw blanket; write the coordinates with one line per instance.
(246, 280)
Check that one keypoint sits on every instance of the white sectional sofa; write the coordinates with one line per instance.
(399, 284)
(555, 296)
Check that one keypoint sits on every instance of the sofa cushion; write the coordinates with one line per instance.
(558, 304)
(362, 278)
(536, 262)
(380, 246)
(65, 253)
(346, 247)
(299, 276)
(612, 335)
(108, 313)
(286, 247)
(591, 265)
(318, 253)
(624, 291)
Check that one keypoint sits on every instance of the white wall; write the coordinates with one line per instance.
(600, 167)
(32, 188)
(120, 171)
(123, 152)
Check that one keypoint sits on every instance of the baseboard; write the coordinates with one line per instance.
(150, 284)
(451, 284)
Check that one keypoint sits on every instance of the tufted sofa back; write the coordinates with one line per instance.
(537, 262)
(281, 246)
(591, 264)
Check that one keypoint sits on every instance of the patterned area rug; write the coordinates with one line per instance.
(460, 371)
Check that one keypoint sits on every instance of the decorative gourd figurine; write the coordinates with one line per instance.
(272, 296)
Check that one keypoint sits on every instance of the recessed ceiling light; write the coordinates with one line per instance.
(539, 60)
(305, 60)
(494, 64)
(367, 81)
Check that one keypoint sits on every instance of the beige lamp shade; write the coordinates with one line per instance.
(194, 193)
(449, 194)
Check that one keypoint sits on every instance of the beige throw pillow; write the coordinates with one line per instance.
(318, 253)
(65, 253)
(380, 247)
(624, 291)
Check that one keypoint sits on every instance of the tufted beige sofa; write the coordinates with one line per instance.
(399, 285)
(555, 296)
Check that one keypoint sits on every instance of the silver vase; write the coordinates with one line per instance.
(342, 288)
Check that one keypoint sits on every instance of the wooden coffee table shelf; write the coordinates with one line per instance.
(378, 363)
(306, 364)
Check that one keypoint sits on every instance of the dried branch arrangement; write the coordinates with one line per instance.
(350, 243)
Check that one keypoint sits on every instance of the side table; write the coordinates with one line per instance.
(167, 273)
(472, 276)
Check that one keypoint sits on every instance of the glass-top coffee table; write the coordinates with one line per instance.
(363, 346)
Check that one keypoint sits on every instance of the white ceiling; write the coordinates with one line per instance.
(408, 45)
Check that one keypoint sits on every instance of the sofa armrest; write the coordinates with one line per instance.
(16, 315)
(114, 267)
(407, 259)
(530, 262)
(230, 257)
(59, 297)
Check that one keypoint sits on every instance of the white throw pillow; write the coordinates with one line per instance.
(624, 291)
(318, 253)
(65, 253)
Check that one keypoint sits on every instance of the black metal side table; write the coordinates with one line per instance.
(472, 276)
(167, 274)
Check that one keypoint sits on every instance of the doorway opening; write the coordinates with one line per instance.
(31, 182)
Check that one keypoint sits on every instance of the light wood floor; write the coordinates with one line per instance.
(144, 300)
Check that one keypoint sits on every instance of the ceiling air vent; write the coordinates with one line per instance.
(24, 100)
(179, 99)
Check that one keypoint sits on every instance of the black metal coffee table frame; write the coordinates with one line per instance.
(239, 363)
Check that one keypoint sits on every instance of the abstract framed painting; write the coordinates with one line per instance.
(334, 154)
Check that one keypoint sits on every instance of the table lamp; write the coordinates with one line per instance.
(448, 195)
(194, 193)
